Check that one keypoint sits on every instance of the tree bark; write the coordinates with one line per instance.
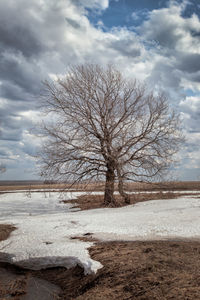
(124, 195)
(109, 199)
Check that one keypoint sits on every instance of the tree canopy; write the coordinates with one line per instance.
(106, 127)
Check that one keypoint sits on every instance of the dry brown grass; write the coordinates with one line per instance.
(13, 288)
(30, 187)
(89, 201)
(183, 185)
(5, 231)
(150, 270)
(145, 270)
(171, 186)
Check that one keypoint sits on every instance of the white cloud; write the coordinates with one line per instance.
(100, 4)
(191, 103)
(171, 30)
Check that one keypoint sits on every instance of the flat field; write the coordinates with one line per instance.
(167, 269)
(32, 185)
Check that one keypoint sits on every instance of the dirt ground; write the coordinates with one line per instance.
(90, 201)
(5, 230)
(131, 270)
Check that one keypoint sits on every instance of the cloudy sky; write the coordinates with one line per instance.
(156, 41)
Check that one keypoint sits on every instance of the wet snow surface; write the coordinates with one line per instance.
(33, 203)
(45, 227)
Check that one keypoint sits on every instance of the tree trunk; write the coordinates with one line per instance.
(125, 196)
(109, 199)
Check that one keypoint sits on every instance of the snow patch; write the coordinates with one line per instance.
(44, 240)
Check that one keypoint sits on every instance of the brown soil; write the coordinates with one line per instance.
(132, 270)
(5, 230)
(145, 270)
(12, 286)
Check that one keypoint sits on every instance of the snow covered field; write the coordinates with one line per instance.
(45, 227)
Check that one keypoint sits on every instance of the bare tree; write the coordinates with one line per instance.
(106, 127)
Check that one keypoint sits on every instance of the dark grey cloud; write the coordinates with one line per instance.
(9, 108)
(188, 62)
(161, 30)
(195, 77)
(11, 135)
(20, 73)
(126, 47)
(3, 153)
(19, 38)
(165, 76)
(195, 33)
(9, 90)
(73, 23)
(17, 30)
(15, 122)
(165, 37)
(171, 31)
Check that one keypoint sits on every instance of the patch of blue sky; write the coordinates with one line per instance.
(193, 7)
(132, 13)
(191, 93)
(125, 12)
